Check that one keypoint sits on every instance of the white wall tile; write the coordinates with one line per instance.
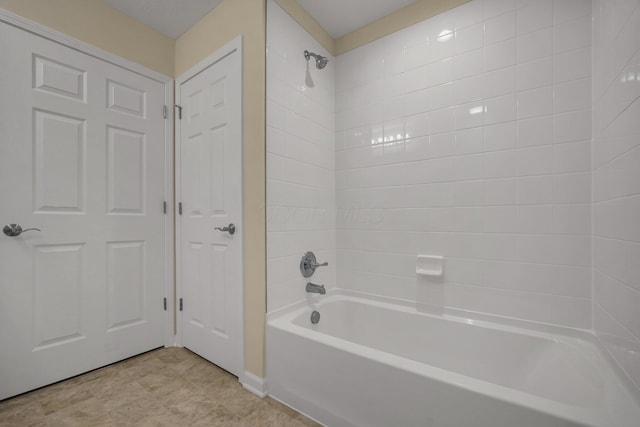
(534, 16)
(500, 55)
(572, 65)
(535, 161)
(535, 190)
(572, 35)
(469, 38)
(500, 28)
(534, 74)
(500, 191)
(493, 8)
(440, 48)
(572, 188)
(500, 164)
(500, 109)
(535, 219)
(535, 102)
(574, 126)
(500, 82)
(572, 219)
(572, 95)
(468, 14)
(469, 64)
(500, 219)
(469, 141)
(468, 89)
(536, 45)
(567, 10)
(572, 157)
(301, 143)
(469, 115)
(489, 174)
(501, 136)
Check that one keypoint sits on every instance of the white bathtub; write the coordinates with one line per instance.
(375, 362)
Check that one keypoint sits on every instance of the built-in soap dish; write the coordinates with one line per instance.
(430, 265)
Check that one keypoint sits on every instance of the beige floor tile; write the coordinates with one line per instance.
(157, 380)
(135, 411)
(223, 419)
(174, 355)
(110, 385)
(204, 375)
(124, 396)
(178, 392)
(166, 387)
(65, 398)
(89, 413)
(145, 367)
(267, 416)
(27, 415)
(11, 404)
(164, 420)
(196, 408)
(238, 400)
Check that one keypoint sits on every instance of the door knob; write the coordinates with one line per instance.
(14, 230)
(231, 229)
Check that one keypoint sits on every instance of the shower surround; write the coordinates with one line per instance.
(468, 135)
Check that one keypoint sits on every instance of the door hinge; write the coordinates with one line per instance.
(165, 304)
(180, 304)
(179, 111)
(165, 111)
(164, 207)
(180, 208)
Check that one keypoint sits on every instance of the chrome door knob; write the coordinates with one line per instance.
(231, 229)
(14, 230)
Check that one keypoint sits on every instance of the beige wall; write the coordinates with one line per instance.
(100, 25)
(224, 23)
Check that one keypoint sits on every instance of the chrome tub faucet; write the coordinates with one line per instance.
(316, 289)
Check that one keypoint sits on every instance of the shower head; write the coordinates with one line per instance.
(321, 61)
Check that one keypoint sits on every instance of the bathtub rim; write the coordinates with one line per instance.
(283, 319)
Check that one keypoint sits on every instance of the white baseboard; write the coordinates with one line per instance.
(255, 384)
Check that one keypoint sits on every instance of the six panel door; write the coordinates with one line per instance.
(82, 158)
(211, 195)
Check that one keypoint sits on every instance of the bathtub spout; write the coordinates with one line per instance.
(316, 289)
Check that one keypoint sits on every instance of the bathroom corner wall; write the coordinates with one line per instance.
(300, 160)
(468, 135)
(616, 169)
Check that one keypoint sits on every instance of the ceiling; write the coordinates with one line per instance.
(340, 17)
(337, 17)
(170, 17)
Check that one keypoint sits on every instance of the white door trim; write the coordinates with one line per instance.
(68, 41)
(231, 47)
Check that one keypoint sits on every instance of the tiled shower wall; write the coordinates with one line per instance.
(468, 135)
(616, 166)
(300, 160)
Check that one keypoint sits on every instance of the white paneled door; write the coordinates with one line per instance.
(82, 158)
(210, 226)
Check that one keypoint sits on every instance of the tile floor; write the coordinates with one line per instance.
(165, 387)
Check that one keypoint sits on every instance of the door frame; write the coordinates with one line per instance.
(88, 49)
(234, 45)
